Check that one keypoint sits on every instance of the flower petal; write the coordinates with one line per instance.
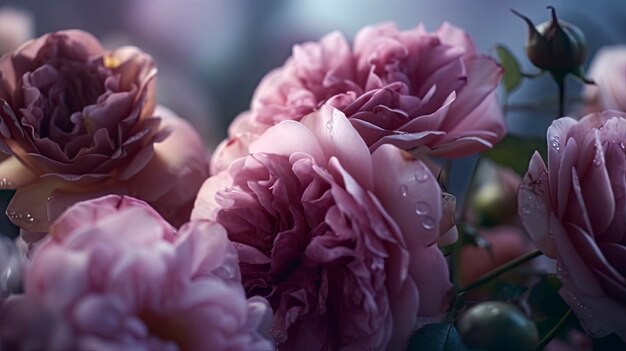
(534, 205)
(14, 174)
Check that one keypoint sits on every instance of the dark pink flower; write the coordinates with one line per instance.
(412, 89)
(340, 241)
(113, 274)
(82, 121)
(575, 212)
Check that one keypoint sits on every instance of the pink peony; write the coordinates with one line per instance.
(81, 122)
(608, 70)
(340, 241)
(575, 212)
(113, 275)
(412, 89)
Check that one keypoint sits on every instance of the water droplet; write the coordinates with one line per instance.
(421, 208)
(526, 210)
(622, 146)
(404, 191)
(448, 197)
(428, 223)
(5, 183)
(421, 173)
(555, 143)
(28, 218)
(597, 161)
(329, 126)
(50, 198)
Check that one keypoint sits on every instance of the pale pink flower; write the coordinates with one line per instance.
(340, 241)
(112, 274)
(412, 89)
(608, 70)
(16, 27)
(575, 212)
(81, 122)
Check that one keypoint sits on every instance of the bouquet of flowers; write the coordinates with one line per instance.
(323, 221)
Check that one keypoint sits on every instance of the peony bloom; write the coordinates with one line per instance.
(340, 241)
(575, 212)
(81, 122)
(412, 89)
(608, 70)
(113, 274)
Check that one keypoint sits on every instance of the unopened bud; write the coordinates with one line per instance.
(556, 46)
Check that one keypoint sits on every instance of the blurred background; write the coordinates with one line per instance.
(211, 54)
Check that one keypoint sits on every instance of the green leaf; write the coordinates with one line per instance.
(512, 73)
(515, 152)
(436, 337)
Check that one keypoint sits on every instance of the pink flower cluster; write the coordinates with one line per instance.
(335, 222)
(318, 230)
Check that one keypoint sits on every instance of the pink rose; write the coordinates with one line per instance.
(340, 241)
(608, 70)
(575, 212)
(412, 89)
(81, 122)
(113, 274)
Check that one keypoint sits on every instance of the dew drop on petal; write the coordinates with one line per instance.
(404, 191)
(555, 143)
(329, 126)
(421, 208)
(428, 223)
(421, 174)
(5, 183)
(28, 218)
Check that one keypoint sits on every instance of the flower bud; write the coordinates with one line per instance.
(555, 46)
(495, 325)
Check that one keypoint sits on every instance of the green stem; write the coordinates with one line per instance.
(500, 270)
(553, 332)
